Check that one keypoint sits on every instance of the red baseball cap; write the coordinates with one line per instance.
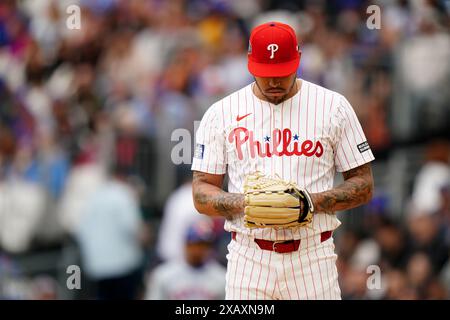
(273, 50)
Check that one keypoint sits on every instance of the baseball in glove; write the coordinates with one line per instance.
(275, 203)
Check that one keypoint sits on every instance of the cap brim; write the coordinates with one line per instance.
(267, 70)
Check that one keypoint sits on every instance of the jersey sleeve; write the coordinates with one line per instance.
(210, 148)
(351, 147)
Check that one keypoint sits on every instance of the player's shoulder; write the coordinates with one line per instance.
(338, 102)
(224, 103)
(223, 107)
(328, 92)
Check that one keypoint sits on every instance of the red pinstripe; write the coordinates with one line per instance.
(246, 125)
(281, 159)
(259, 275)
(324, 188)
(254, 121)
(290, 158)
(217, 160)
(263, 132)
(285, 279)
(349, 145)
(294, 277)
(238, 252)
(305, 184)
(298, 128)
(290, 126)
(303, 275)
(350, 120)
(310, 268)
(312, 170)
(333, 271)
(343, 151)
(299, 110)
(243, 271)
(268, 274)
(314, 137)
(306, 137)
(241, 178)
(339, 160)
(209, 139)
(271, 130)
(277, 284)
(351, 149)
(251, 274)
(323, 129)
(238, 103)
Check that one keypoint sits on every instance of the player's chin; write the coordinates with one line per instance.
(277, 99)
(275, 94)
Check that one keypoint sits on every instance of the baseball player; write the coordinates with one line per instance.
(198, 276)
(290, 136)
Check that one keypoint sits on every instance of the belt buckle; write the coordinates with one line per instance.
(274, 244)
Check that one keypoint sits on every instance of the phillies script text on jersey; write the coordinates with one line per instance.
(279, 138)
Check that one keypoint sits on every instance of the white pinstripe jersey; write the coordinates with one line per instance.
(305, 139)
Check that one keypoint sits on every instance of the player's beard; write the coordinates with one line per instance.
(276, 100)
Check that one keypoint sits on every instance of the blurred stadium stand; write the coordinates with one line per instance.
(74, 102)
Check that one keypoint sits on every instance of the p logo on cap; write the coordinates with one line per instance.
(273, 50)
(273, 47)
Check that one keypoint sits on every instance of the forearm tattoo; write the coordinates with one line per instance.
(354, 191)
(213, 199)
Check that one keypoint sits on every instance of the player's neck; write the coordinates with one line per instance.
(294, 90)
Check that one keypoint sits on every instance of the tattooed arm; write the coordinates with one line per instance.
(210, 199)
(356, 190)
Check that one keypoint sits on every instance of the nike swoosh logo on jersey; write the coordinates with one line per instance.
(240, 118)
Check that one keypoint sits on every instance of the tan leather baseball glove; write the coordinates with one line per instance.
(275, 203)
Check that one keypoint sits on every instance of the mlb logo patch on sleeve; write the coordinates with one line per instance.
(364, 146)
(199, 151)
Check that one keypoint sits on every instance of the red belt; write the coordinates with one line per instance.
(284, 246)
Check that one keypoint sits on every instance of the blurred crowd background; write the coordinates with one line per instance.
(86, 123)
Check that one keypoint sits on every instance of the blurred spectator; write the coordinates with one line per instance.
(443, 213)
(178, 215)
(394, 251)
(398, 287)
(136, 153)
(428, 236)
(43, 287)
(434, 175)
(354, 285)
(346, 244)
(22, 204)
(419, 271)
(198, 277)
(424, 73)
(83, 180)
(109, 234)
